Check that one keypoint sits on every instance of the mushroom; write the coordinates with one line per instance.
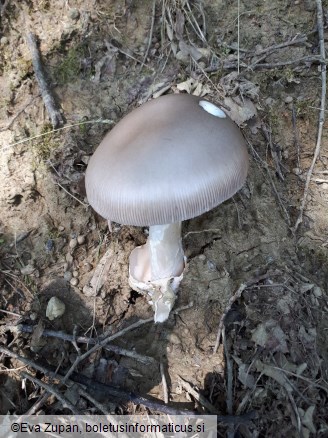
(171, 159)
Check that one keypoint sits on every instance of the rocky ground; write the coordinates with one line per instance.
(247, 261)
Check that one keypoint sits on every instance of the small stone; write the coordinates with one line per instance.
(297, 171)
(269, 101)
(88, 267)
(4, 41)
(55, 308)
(65, 266)
(202, 257)
(74, 281)
(74, 14)
(68, 276)
(27, 270)
(174, 339)
(75, 274)
(69, 258)
(61, 228)
(80, 239)
(289, 99)
(73, 243)
(50, 245)
(317, 291)
(33, 316)
(85, 159)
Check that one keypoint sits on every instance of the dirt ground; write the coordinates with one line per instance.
(246, 260)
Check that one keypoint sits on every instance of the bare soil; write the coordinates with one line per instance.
(102, 60)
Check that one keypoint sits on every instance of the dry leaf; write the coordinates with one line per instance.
(100, 274)
(270, 336)
(240, 111)
(244, 376)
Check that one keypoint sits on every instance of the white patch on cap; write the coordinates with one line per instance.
(212, 109)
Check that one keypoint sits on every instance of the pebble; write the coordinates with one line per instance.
(68, 276)
(74, 281)
(50, 245)
(289, 99)
(33, 316)
(55, 308)
(27, 270)
(74, 14)
(69, 258)
(88, 267)
(4, 40)
(317, 291)
(174, 339)
(202, 257)
(73, 243)
(61, 228)
(75, 274)
(80, 239)
(269, 101)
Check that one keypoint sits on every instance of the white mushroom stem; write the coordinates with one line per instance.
(162, 255)
(165, 251)
(156, 268)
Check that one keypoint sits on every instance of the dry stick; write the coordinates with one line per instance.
(110, 338)
(48, 99)
(229, 373)
(274, 152)
(284, 63)
(24, 328)
(104, 342)
(150, 33)
(164, 383)
(49, 388)
(296, 137)
(321, 114)
(98, 405)
(268, 50)
(110, 390)
(201, 399)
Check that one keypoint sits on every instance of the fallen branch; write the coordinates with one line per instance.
(321, 114)
(91, 384)
(199, 397)
(53, 390)
(24, 328)
(47, 96)
(164, 383)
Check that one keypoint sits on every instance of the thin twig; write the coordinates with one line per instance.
(232, 299)
(10, 313)
(111, 337)
(24, 328)
(197, 396)
(47, 96)
(296, 137)
(269, 66)
(150, 33)
(238, 37)
(98, 405)
(110, 390)
(53, 390)
(27, 139)
(321, 114)
(164, 383)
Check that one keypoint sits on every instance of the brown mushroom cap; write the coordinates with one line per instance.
(166, 161)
